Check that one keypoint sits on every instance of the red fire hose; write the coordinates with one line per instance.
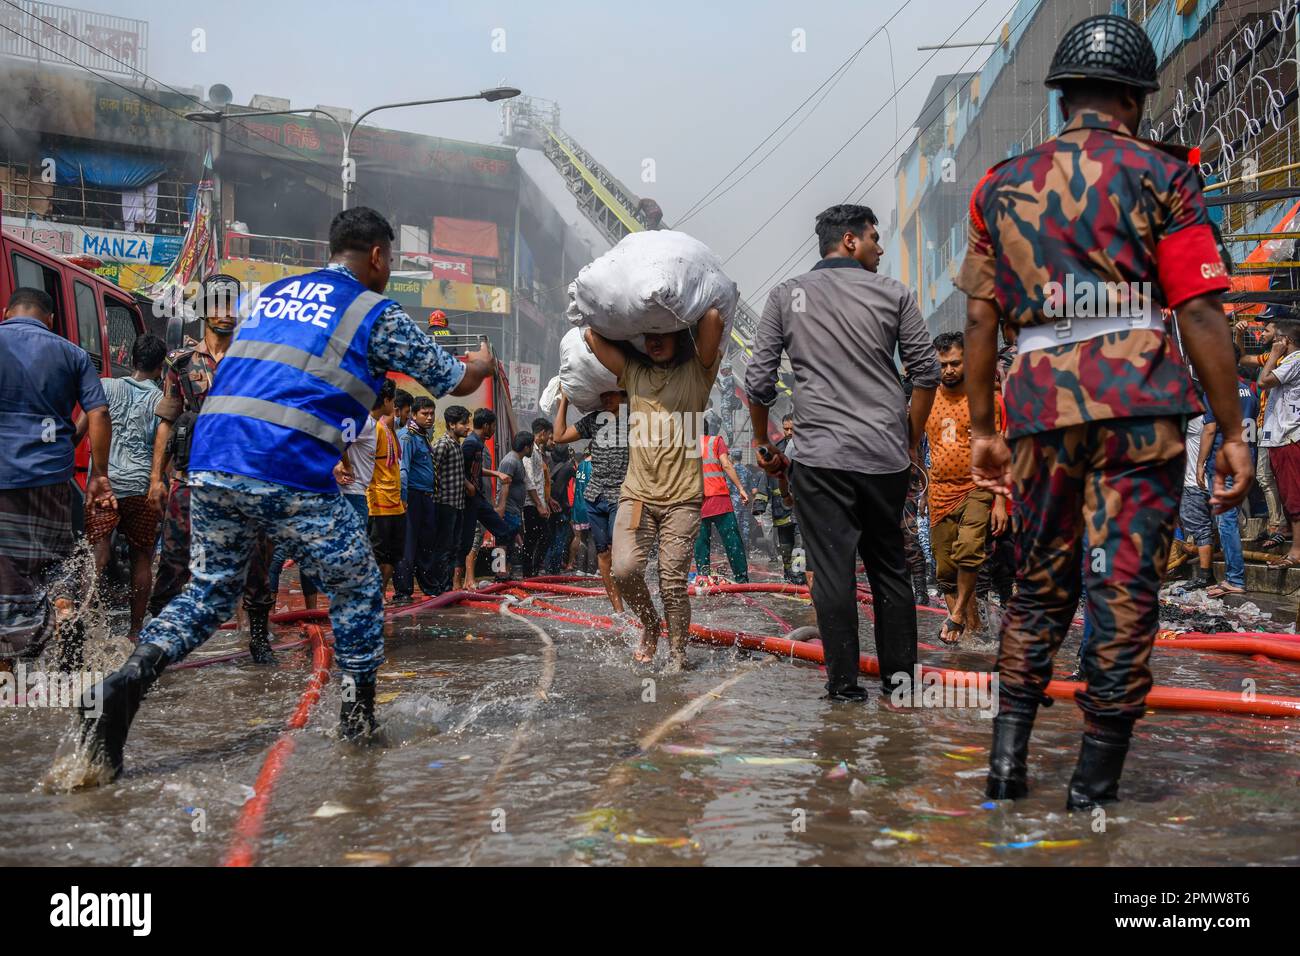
(243, 848)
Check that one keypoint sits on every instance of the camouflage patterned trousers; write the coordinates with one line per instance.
(174, 562)
(1111, 487)
(322, 533)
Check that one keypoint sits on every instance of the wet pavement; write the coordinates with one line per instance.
(499, 749)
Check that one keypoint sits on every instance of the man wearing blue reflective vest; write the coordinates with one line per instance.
(296, 386)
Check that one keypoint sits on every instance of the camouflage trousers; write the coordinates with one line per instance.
(174, 563)
(1111, 488)
(322, 533)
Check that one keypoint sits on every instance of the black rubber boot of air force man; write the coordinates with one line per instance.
(1096, 776)
(357, 715)
(259, 641)
(108, 708)
(1009, 756)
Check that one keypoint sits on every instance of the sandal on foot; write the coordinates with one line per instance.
(1285, 561)
(952, 627)
(1224, 589)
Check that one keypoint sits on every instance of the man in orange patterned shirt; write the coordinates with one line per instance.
(961, 515)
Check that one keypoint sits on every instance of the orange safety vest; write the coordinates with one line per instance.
(715, 480)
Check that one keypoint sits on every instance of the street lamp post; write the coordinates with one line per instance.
(347, 166)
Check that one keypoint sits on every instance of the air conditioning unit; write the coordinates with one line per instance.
(269, 103)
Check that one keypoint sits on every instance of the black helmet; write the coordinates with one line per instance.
(1110, 48)
(219, 300)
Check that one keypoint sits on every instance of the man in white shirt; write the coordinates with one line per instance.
(1281, 434)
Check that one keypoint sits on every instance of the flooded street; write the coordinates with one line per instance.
(499, 750)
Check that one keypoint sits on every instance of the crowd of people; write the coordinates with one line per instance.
(1044, 472)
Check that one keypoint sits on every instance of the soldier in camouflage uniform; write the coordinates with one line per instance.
(187, 379)
(1098, 393)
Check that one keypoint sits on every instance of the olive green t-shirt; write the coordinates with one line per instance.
(665, 418)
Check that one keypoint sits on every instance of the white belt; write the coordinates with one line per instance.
(1072, 330)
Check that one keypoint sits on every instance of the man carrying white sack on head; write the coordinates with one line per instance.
(670, 288)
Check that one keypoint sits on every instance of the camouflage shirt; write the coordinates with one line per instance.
(1095, 205)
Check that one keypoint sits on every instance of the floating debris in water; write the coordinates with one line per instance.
(1033, 844)
(838, 772)
(373, 858)
(1180, 819)
(672, 843)
(682, 750)
(601, 819)
(907, 836)
(857, 788)
(434, 765)
(772, 761)
(959, 757)
(387, 698)
(396, 675)
(329, 809)
(646, 765)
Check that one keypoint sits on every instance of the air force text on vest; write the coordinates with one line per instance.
(304, 302)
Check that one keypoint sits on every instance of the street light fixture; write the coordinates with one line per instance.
(349, 173)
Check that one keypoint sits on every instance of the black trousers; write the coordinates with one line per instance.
(536, 540)
(843, 514)
(417, 564)
(446, 544)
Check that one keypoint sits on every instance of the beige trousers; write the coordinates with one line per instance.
(637, 528)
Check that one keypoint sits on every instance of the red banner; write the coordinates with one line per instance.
(468, 236)
(451, 267)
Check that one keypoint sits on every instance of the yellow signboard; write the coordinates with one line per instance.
(430, 293)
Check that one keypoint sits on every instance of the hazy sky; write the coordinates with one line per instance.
(692, 86)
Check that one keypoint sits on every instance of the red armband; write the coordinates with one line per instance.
(1189, 265)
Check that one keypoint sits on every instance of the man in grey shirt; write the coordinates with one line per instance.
(513, 491)
(842, 324)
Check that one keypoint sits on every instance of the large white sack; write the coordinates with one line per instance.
(655, 281)
(582, 376)
(549, 403)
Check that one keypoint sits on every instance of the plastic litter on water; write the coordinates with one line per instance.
(1033, 844)
(329, 809)
(639, 839)
(907, 836)
(838, 772)
(683, 750)
(375, 858)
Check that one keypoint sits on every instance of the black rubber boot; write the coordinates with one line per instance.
(918, 589)
(259, 641)
(1009, 757)
(115, 700)
(357, 716)
(1096, 776)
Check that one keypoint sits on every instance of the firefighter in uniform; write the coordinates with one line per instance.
(299, 379)
(188, 378)
(1081, 245)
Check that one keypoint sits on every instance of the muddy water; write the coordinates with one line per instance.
(479, 766)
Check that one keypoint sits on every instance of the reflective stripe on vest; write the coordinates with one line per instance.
(715, 480)
(295, 385)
